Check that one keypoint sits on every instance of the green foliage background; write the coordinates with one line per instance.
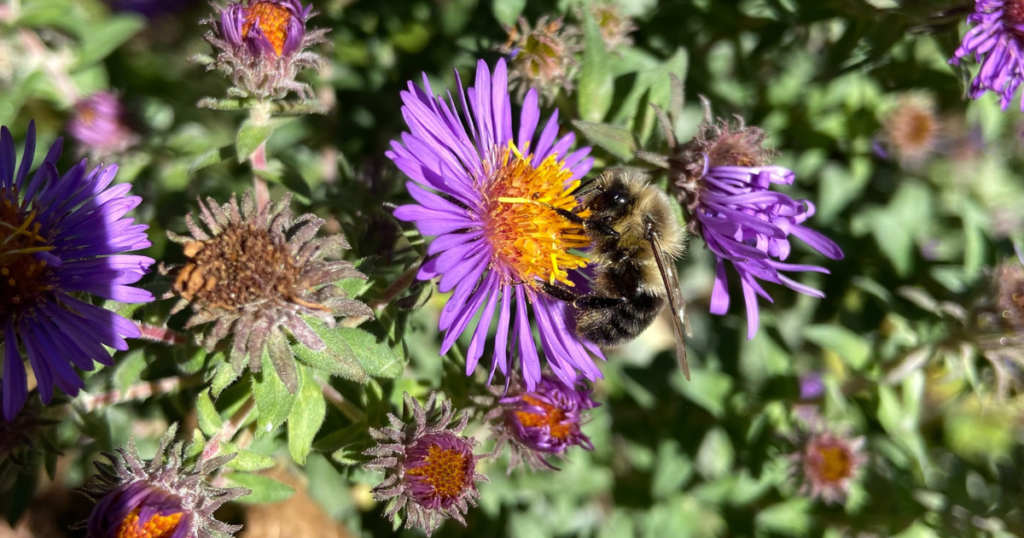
(895, 339)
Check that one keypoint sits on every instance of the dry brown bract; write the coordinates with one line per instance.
(255, 273)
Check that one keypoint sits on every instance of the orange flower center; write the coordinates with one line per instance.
(552, 418)
(272, 19)
(446, 470)
(157, 527)
(22, 276)
(522, 223)
(913, 129)
(835, 464)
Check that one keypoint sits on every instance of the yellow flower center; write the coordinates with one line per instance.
(835, 464)
(272, 19)
(22, 276)
(446, 470)
(157, 527)
(522, 223)
(552, 417)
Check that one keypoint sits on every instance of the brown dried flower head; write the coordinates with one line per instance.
(541, 57)
(255, 274)
(615, 27)
(912, 130)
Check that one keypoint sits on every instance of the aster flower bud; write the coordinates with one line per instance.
(99, 125)
(161, 498)
(723, 178)
(541, 57)
(262, 47)
(256, 274)
(828, 462)
(429, 468)
(539, 423)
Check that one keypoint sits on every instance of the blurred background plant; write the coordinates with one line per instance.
(913, 361)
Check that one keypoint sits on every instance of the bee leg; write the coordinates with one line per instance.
(596, 302)
(559, 293)
(602, 227)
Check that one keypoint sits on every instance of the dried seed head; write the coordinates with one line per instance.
(429, 468)
(255, 274)
(542, 57)
(160, 498)
(615, 27)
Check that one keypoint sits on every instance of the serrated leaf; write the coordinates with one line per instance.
(352, 454)
(376, 357)
(273, 401)
(854, 350)
(597, 86)
(246, 460)
(306, 417)
(250, 136)
(616, 140)
(209, 419)
(211, 158)
(337, 359)
(265, 490)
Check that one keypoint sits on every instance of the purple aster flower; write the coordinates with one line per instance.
(995, 40)
(99, 126)
(61, 236)
(489, 194)
(430, 469)
(724, 182)
(828, 463)
(262, 46)
(161, 498)
(540, 423)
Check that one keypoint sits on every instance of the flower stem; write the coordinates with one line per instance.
(396, 288)
(346, 407)
(228, 431)
(139, 391)
(259, 185)
(163, 335)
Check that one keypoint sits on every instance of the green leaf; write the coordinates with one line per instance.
(288, 176)
(707, 389)
(337, 359)
(273, 401)
(209, 419)
(306, 417)
(195, 447)
(129, 371)
(616, 140)
(189, 358)
(250, 136)
(265, 490)
(597, 86)
(508, 11)
(101, 39)
(246, 460)
(376, 357)
(222, 378)
(716, 455)
(854, 350)
(790, 518)
(211, 157)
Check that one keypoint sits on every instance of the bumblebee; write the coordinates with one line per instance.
(636, 240)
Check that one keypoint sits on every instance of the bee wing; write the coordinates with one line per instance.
(680, 326)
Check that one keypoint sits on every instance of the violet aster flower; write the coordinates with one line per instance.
(61, 236)
(262, 47)
(724, 181)
(430, 469)
(98, 124)
(828, 463)
(995, 41)
(160, 498)
(540, 423)
(488, 196)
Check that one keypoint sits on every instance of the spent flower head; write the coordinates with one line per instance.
(615, 27)
(261, 45)
(996, 41)
(160, 498)
(724, 177)
(99, 125)
(911, 130)
(539, 423)
(477, 188)
(429, 467)
(542, 57)
(254, 274)
(62, 238)
(827, 461)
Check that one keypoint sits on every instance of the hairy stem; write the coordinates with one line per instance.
(346, 407)
(259, 185)
(229, 430)
(139, 391)
(162, 335)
